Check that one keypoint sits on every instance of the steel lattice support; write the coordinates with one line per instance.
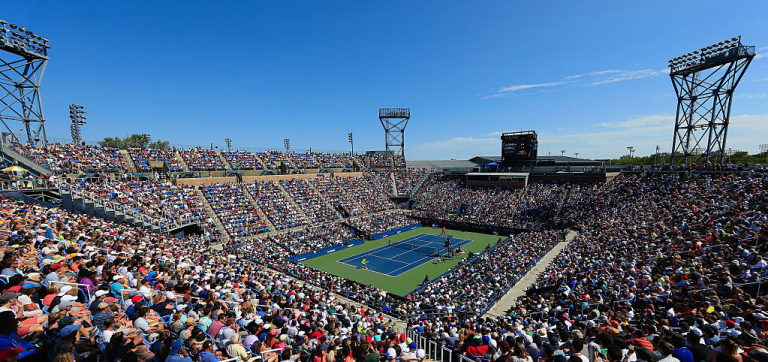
(704, 82)
(394, 121)
(22, 63)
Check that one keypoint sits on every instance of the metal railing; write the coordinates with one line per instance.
(78, 286)
(27, 184)
(170, 222)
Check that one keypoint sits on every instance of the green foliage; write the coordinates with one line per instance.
(133, 141)
(160, 144)
(736, 158)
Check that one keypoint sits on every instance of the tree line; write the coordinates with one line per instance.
(133, 141)
(663, 158)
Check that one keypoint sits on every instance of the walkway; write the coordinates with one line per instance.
(506, 302)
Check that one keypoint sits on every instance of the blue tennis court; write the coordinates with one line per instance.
(402, 256)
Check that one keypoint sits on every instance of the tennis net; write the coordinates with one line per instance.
(431, 250)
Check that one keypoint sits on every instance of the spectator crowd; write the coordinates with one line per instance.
(664, 267)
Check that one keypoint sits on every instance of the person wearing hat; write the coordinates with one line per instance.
(10, 354)
(206, 355)
(57, 274)
(179, 355)
(235, 349)
(98, 297)
(189, 324)
(119, 283)
(391, 354)
(103, 312)
(30, 307)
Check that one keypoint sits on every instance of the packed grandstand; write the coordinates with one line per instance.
(664, 266)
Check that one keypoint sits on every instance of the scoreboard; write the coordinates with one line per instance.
(518, 148)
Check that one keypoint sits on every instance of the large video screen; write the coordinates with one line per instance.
(518, 148)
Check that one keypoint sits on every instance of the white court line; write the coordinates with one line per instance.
(395, 256)
(338, 261)
(373, 252)
(418, 261)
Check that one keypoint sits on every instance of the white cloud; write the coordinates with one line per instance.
(514, 88)
(593, 78)
(763, 48)
(599, 72)
(653, 119)
(630, 75)
(497, 133)
(752, 96)
(760, 56)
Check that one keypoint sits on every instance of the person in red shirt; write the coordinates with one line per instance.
(640, 340)
(216, 325)
(475, 348)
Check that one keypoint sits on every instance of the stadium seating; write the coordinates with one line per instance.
(234, 210)
(141, 158)
(75, 158)
(311, 202)
(276, 205)
(198, 159)
(243, 160)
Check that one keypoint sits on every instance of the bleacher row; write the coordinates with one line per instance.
(82, 158)
(246, 209)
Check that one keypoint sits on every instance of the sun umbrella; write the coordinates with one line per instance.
(14, 169)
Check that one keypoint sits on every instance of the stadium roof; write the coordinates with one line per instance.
(443, 164)
(488, 159)
(480, 161)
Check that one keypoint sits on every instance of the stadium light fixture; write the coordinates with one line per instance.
(22, 41)
(77, 115)
(287, 144)
(228, 141)
(708, 54)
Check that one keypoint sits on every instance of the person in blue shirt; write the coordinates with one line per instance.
(179, 355)
(207, 354)
(8, 337)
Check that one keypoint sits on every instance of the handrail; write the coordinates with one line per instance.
(79, 285)
(165, 224)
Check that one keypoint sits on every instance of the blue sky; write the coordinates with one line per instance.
(588, 76)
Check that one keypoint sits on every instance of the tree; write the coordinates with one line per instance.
(111, 142)
(133, 141)
(736, 158)
(160, 144)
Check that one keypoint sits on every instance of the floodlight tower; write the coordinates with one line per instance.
(394, 121)
(704, 82)
(22, 64)
(77, 115)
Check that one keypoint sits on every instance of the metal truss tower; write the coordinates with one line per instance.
(394, 121)
(704, 82)
(22, 64)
